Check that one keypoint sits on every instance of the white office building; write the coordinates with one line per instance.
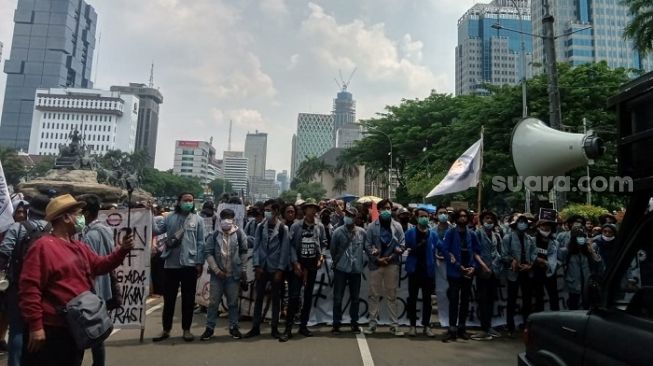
(314, 137)
(235, 170)
(196, 159)
(106, 120)
(256, 147)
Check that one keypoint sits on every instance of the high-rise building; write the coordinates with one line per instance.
(148, 116)
(105, 120)
(347, 135)
(485, 55)
(52, 47)
(314, 137)
(256, 147)
(344, 111)
(283, 179)
(235, 170)
(604, 41)
(270, 174)
(196, 159)
(1, 46)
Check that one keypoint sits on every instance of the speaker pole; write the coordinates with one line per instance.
(479, 186)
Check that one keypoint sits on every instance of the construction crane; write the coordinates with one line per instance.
(344, 84)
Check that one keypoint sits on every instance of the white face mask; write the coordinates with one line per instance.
(605, 238)
(545, 233)
(226, 224)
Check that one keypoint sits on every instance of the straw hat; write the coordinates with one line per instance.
(61, 205)
(310, 202)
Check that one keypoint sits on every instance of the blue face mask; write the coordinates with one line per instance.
(581, 240)
(443, 218)
(488, 226)
(522, 226)
(386, 214)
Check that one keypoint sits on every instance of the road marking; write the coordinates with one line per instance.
(149, 311)
(366, 355)
(154, 308)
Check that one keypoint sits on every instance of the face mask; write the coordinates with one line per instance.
(522, 226)
(187, 206)
(443, 218)
(349, 221)
(386, 214)
(80, 223)
(605, 238)
(268, 215)
(577, 226)
(488, 226)
(423, 221)
(226, 224)
(545, 233)
(581, 240)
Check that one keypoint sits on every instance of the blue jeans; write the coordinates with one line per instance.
(16, 328)
(229, 287)
(340, 281)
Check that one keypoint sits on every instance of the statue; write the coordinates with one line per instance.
(75, 155)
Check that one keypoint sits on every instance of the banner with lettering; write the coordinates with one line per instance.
(6, 208)
(134, 273)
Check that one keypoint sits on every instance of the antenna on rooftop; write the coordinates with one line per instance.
(229, 141)
(152, 76)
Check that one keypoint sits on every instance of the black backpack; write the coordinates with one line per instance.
(33, 233)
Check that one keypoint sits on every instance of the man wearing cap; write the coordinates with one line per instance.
(403, 216)
(385, 245)
(545, 265)
(518, 250)
(16, 233)
(307, 239)
(55, 270)
(347, 248)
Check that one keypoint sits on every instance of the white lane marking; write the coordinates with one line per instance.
(153, 309)
(366, 355)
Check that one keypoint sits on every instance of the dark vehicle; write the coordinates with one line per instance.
(618, 328)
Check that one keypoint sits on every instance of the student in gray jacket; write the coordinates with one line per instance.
(307, 239)
(385, 245)
(545, 265)
(271, 257)
(517, 255)
(580, 261)
(347, 249)
(226, 255)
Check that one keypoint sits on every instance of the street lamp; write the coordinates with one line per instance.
(389, 171)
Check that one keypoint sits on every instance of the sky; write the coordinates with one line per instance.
(259, 63)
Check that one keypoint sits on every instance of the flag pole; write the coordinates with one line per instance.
(479, 186)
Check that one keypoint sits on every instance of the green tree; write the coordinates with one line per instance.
(311, 190)
(45, 164)
(640, 27)
(340, 185)
(289, 196)
(166, 184)
(13, 166)
(219, 186)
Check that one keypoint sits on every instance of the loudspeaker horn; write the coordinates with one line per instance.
(539, 150)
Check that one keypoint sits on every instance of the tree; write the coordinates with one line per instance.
(45, 164)
(166, 184)
(12, 165)
(219, 186)
(311, 190)
(340, 185)
(640, 28)
(289, 196)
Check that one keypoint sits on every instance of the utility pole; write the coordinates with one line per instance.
(555, 115)
(229, 141)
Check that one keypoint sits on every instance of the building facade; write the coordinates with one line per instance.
(344, 112)
(283, 180)
(347, 135)
(196, 159)
(256, 148)
(486, 55)
(148, 116)
(314, 137)
(52, 47)
(604, 41)
(235, 171)
(105, 120)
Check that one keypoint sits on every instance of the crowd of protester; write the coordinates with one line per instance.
(62, 250)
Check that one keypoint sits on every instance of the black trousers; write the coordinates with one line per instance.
(458, 293)
(277, 289)
(415, 284)
(186, 278)
(576, 302)
(59, 349)
(487, 291)
(295, 285)
(540, 282)
(157, 274)
(340, 280)
(525, 284)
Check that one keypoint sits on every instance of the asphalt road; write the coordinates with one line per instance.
(124, 349)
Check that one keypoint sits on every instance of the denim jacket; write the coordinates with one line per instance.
(99, 238)
(578, 268)
(348, 249)
(272, 252)
(551, 256)
(319, 232)
(374, 241)
(192, 240)
(512, 250)
(237, 252)
(452, 245)
(489, 249)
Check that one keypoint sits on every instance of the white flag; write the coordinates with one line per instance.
(6, 208)
(463, 174)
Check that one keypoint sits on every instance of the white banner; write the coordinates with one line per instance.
(134, 272)
(6, 208)
(463, 174)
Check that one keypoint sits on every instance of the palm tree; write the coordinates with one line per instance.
(308, 168)
(640, 28)
(340, 185)
(346, 166)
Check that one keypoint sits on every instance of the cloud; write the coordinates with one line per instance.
(294, 60)
(357, 44)
(273, 7)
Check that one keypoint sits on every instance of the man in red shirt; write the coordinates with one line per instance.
(56, 269)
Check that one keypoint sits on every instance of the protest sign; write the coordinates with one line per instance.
(6, 208)
(134, 273)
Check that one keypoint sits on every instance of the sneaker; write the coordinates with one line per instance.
(493, 333)
(235, 333)
(483, 336)
(428, 332)
(188, 336)
(284, 337)
(275, 333)
(412, 332)
(464, 336)
(164, 335)
(305, 332)
(355, 328)
(255, 332)
(396, 331)
(208, 334)
(371, 329)
(336, 330)
(449, 337)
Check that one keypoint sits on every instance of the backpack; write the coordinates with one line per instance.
(238, 234)
(33, 233)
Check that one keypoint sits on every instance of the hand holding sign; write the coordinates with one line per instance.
(127, 242)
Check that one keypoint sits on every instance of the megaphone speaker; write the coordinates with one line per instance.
(539, 150)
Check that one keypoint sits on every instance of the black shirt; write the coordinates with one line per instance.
(464, 248)
(420, 253)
